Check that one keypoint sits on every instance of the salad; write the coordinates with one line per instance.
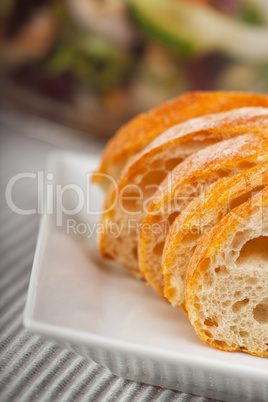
(95, 63)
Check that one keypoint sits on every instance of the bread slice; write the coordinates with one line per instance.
(227, 281)
(200, 215)
(139, 132)
(186, 182)
(142, 176)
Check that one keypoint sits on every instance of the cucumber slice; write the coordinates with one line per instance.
(157, 20)
(194, 28)
(258, 7)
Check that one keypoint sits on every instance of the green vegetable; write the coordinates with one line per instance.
(192, 27)
(91, 60)
(157, 19)
(251, 15)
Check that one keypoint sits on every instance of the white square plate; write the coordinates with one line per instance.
(99, 310)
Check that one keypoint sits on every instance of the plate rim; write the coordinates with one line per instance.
(86, 338)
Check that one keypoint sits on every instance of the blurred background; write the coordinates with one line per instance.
(73, 68)
(93, 64)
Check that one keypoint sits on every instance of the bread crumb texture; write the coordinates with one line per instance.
(227, 283)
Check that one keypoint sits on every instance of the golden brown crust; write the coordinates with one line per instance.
(208, 247)
(225, 193)
(215, 128)
(140, 131)
(207, 128)
(248, 150)
(247, 147)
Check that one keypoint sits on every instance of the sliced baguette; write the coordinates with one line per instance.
(227, 281)
(140, 131)
(142, 176)
(187, 181)
(200, 215)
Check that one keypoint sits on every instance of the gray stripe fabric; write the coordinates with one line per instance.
(32, 368)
